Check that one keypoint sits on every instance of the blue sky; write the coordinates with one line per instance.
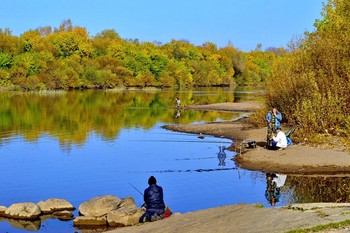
(243, 23)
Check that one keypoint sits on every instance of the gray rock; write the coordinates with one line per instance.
(25, 210)
(99, 206)
(124, 217)
(54, 204)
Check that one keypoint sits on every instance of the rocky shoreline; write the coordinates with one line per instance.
(95, 215)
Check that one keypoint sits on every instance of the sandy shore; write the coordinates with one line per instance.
(297, 159)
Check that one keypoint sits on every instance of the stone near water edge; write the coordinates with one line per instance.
(108, 210)
(124, 217)
(89, 221)
(127, 202)
(63, 213)
(24, 210)
(55, 204)
(2, 210)
(99, 206)
(120, 212)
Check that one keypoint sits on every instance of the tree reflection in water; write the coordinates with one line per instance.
(72, 116)
(320, 188)
(306, 189)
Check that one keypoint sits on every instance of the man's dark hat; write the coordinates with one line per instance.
(152, 180)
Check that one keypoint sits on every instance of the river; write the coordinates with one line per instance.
(81, 144)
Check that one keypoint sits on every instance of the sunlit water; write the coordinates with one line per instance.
(188, 168)
(194, 173)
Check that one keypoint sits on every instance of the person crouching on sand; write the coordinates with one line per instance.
(279, 142)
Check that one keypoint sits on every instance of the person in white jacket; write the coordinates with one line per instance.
(279, 141)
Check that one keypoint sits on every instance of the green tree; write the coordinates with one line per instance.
(5, 60)
(136, 60)
(158, 64)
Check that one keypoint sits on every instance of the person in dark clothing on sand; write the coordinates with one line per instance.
(154, 203)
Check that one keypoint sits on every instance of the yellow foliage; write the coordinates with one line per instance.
(311, 84)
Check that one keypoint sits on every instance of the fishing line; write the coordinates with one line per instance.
(135, 189)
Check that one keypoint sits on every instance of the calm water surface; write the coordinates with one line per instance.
(80, 145)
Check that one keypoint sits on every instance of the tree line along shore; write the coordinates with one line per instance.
(308, 82)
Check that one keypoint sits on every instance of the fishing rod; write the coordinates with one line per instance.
(135, 189)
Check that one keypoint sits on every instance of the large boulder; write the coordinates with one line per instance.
(99, 206)
(25, 210)
(54, 204)
(124, 217)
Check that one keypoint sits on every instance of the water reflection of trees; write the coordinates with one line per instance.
(309, 189)
(72, 116)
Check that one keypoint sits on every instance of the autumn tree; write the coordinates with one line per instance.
(68, 58)
(312, 83)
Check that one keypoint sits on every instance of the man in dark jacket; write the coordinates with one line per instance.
(154, 203)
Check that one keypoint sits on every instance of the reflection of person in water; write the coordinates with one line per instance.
(274, 182)
(177, 113)
(222, 156)
(177, 102)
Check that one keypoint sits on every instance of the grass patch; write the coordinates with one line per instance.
(259, 206)
(321, 213)
(323, 227)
